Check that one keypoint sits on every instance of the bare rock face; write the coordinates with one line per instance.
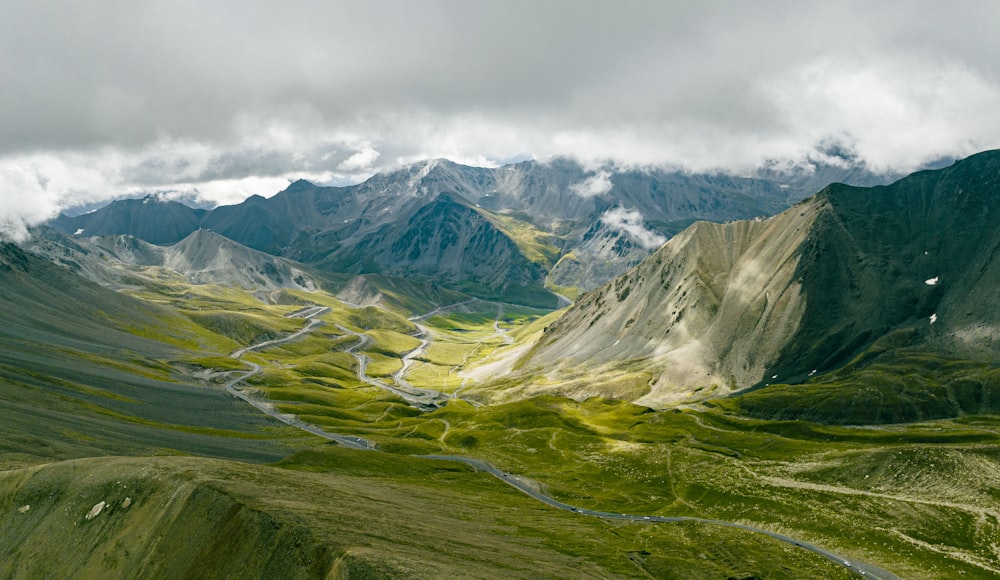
(95, 511)
(600, 254)
(708, 311)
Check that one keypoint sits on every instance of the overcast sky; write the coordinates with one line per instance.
(225, 99)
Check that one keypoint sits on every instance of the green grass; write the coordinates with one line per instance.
(536, 245)
(391, 343)
(380, 365)
(615, 456)
(571, 292)
(435, 376)
(611, 455)
(331, 512)
(798, 477)
(370, 317)
(244, 329)
(896, 388)
(924, 489)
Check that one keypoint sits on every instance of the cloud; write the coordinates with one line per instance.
(631, 223)
(142, 96)
(895, 112)
(360, 161)
(34, 188)
(598, 184)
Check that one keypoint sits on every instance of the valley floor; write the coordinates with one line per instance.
(909, 501)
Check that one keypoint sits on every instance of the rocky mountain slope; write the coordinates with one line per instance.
(451, 243)
(151, 218)
(601, 253)
(726, 307)
(85, 371)
(338, 227)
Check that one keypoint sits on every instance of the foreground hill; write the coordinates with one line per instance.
(914, 265)
(191, 517)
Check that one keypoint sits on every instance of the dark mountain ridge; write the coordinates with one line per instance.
(151, 218)
(334, 227)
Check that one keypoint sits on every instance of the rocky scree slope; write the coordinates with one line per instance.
(726, 307)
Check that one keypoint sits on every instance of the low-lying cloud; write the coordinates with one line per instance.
(631, 223)
(598, 184)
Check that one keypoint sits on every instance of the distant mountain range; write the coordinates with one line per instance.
(504, 233)
(203, 257)
(843, 280)
(895, 285)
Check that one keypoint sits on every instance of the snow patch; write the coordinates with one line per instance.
(631, 223)
(95, 511)
(78, 232)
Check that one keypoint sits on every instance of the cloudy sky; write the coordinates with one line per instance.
(223, 99)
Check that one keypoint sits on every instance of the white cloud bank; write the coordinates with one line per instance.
(104, 98)
(631, 223)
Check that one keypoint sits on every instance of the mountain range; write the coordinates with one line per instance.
(721, 308)
(844, 279)
(504, 233)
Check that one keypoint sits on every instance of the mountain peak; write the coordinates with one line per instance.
(300, 185)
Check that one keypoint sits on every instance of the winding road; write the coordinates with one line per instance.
(266, 408)
(860, 568)
(423, 399)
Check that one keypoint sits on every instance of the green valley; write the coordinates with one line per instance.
(805, 480)
(400, 429)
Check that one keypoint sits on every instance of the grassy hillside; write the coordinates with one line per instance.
(901, 387)
(800, 478)
(87, 371)
(184, 517)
